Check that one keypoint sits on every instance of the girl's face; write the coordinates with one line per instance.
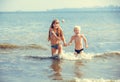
(56, 24)
(77, 31)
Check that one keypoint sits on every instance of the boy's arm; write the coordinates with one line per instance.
(85, 40)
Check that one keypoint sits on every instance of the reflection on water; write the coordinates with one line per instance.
(56, 67)
(57, 71)
(77, 71)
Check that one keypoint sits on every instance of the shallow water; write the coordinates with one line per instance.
(23, 41)
(17, 66)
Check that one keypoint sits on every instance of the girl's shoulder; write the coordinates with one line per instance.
(50, 29)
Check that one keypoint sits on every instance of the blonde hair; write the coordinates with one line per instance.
(77, 27)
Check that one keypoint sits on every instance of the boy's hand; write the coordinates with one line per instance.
(68, 44)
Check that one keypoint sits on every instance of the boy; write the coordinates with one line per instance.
(78, 40)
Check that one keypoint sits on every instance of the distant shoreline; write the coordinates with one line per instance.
(60, 11)
(96, 9)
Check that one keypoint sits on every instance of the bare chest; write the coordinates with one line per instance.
(78, 39)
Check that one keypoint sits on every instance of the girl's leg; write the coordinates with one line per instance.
(53, 51)
(59, 49)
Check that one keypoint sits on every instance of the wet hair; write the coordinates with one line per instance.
(59, 34)
(53, 22)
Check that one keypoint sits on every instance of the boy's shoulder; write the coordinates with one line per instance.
(73, 35)
(81, 35)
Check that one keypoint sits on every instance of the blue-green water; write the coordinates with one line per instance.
(31, 29)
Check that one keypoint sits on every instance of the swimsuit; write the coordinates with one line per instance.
(78, 51)
(55, 46)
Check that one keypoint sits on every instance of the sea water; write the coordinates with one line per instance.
(23, 41)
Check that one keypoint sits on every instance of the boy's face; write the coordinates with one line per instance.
(77, 31)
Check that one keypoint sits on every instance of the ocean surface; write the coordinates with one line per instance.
(23, 44)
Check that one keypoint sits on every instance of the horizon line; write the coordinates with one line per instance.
(97, 7)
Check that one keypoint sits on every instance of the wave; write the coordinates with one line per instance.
(15, 46)
(108, 54)
(86, 56)
(90, 80)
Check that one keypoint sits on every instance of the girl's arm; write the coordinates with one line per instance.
(49, 35)
(85, 40)
(54, 34)
(62, 37)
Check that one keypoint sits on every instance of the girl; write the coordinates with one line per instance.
(55, 36)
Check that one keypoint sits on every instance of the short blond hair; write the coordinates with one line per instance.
(77, 27)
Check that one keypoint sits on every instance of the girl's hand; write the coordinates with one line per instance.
(86, 46)
(58, 38)
(65, 44)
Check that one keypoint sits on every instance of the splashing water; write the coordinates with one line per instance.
(72, 56)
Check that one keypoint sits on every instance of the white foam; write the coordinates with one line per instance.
(71, 56)
(95, 80)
